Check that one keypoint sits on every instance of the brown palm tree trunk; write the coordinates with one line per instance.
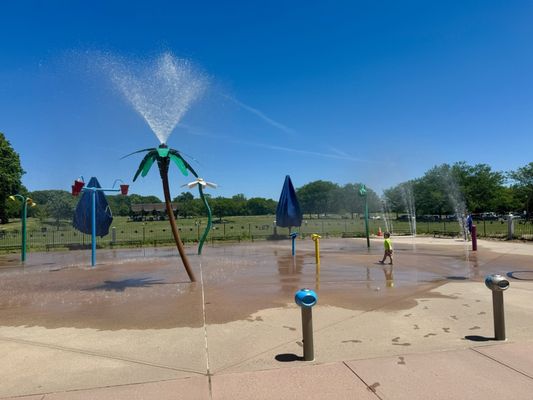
(173, 225)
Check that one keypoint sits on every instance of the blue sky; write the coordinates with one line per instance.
(344, 91)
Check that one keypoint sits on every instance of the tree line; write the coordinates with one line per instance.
(449, 189)
(477, 188)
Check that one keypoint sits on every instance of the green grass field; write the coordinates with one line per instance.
(48, 235)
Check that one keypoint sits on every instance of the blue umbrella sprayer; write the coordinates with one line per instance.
(93, 214)
(288, 212)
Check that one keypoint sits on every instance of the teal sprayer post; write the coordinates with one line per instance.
(201, 183)
(293, 236)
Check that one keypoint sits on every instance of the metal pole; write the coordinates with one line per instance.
(293, 238)
(474, 238)
(366, 222)
(499, 318)
(24, 215)
(198, 231)
(93, 227)
(317, 252)
(209, 223)
(510, 228)
(307, 330)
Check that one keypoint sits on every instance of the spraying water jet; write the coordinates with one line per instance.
(162, 93)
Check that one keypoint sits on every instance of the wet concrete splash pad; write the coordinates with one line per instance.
(135, 317)
(144, 289)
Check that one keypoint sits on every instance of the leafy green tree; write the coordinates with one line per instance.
(394, 200)
(374, 201)
(138, 199)
(349, 199)
(10, 175)
(119, 204)
(187, 205)
(482, 188)
(523, 186)
(260, 206)
(223, 207)
(317, 197)
(432, 191)
(239, 204)
(60, 205)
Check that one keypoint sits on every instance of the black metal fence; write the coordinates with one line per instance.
(139, 234)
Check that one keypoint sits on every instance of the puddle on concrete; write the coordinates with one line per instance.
(149, 289)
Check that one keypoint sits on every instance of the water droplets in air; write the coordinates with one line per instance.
(409, 202)
(161, 91)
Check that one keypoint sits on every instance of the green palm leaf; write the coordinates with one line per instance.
(185, 163)
(147, 165)
(139, 151)
(147, 157)
(179, 162)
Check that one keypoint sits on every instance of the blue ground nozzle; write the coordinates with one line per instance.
(306, 298)
(293, 236)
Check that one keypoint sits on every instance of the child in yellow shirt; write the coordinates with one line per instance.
(387, 243)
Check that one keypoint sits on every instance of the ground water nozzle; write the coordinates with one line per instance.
(306, 299)
(293, 236)
(497, 284)
(316, 239)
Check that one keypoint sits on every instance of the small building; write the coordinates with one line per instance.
(151, 211)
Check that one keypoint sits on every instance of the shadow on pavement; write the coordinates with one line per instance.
(476, 338)
(120, 286)
(288, 357)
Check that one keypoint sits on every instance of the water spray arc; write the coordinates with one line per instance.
(162, 92)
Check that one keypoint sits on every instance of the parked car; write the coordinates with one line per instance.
(404, 217)
(488, 216)
(428, 218)
(511, 216)
(370, 216)
(450, 217)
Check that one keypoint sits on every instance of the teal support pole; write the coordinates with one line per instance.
(209, 223)
(363, 193)
(93, 227)
(293, 236)
(293, 250)
(24, 216)
(366, 223)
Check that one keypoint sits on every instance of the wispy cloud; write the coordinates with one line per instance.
(262, 115)
(339, 155)
(308, 152)
(338, 151)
